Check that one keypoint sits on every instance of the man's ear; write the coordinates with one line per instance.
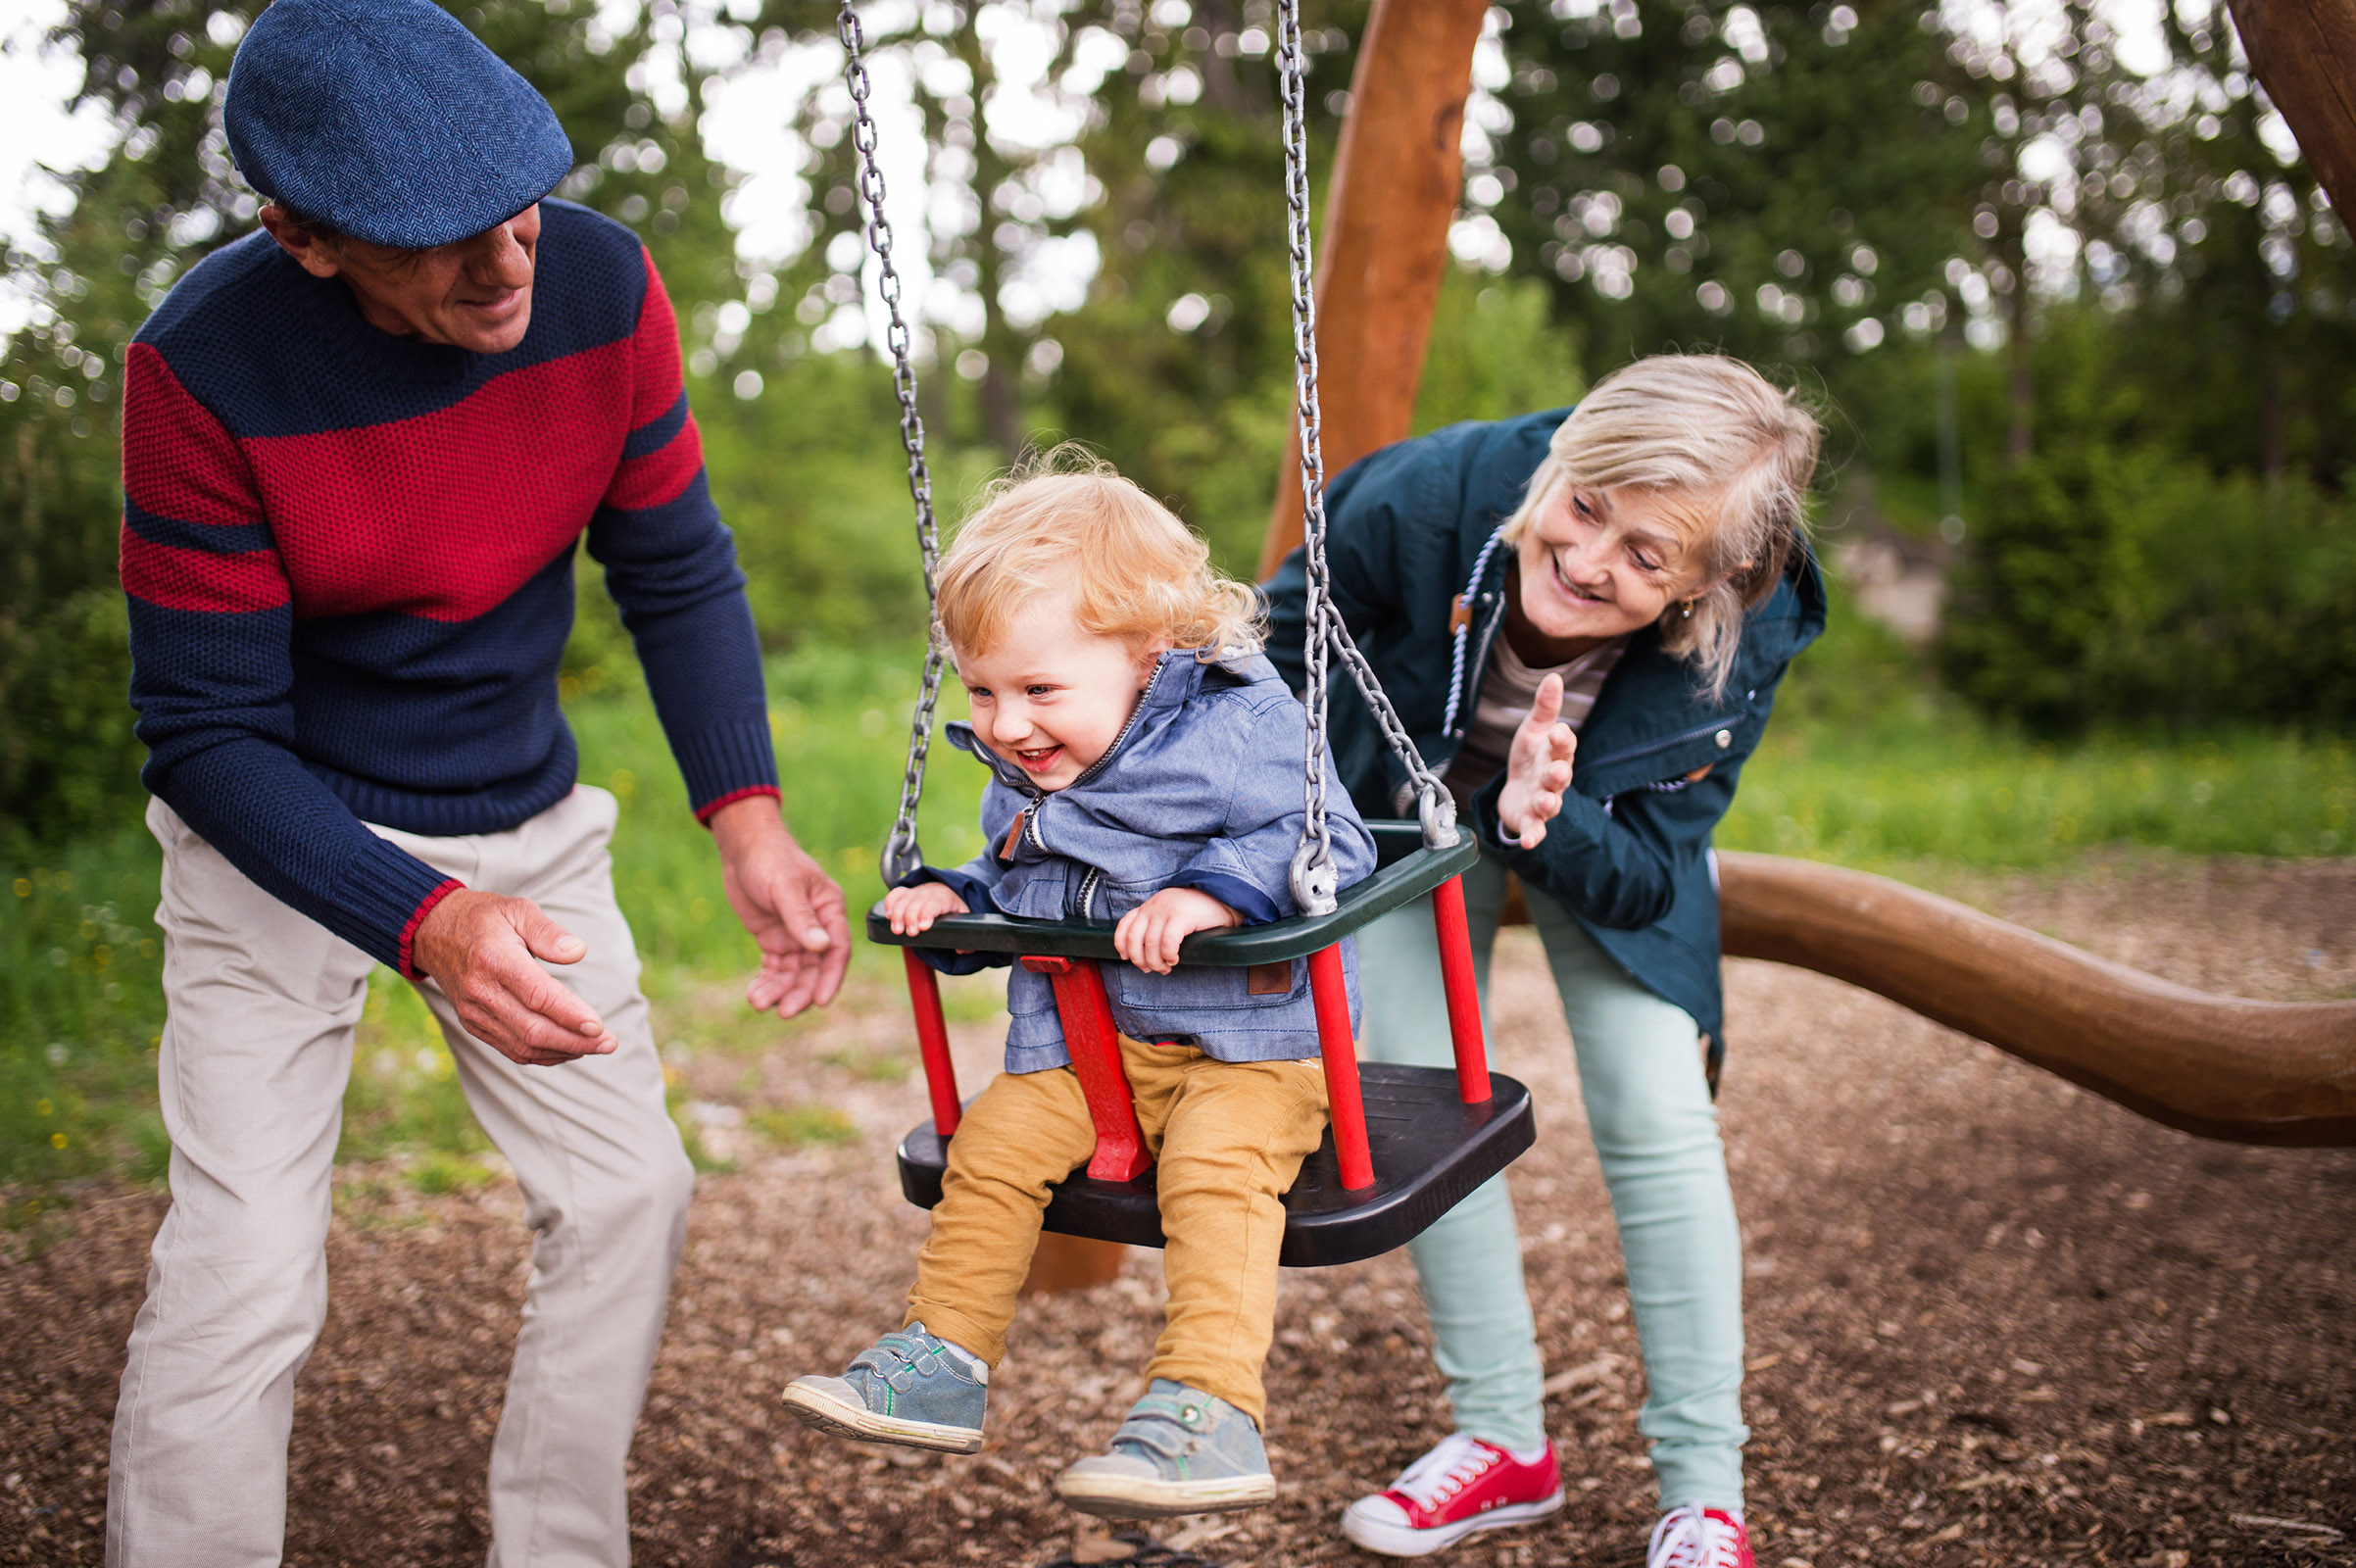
(311, 253)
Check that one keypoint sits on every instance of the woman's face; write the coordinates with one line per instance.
(1600, 563)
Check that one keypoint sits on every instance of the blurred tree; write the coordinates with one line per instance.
(136, 222)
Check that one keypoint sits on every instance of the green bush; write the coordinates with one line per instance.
(2108, 584)
(68, 762)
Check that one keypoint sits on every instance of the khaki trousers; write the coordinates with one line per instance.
(257, 1047)
(1228, 1138)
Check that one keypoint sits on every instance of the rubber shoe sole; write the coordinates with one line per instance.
(839, 1418)
(1401, 1540)
(1138, 1497)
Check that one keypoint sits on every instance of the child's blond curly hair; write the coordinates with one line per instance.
(1064, 521)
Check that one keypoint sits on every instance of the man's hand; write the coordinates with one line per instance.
(793, 909)
(1537, 767)
(479, 947)
(913, 910)
(1149, 935)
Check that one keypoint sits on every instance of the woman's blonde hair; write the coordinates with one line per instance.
(1729, 453)
(1064, 521)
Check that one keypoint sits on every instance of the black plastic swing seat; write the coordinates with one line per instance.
(1430, 1149)
(1404, 870)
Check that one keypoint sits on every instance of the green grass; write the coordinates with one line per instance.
(1866, 765)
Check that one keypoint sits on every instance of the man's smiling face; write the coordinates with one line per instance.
(474, 293)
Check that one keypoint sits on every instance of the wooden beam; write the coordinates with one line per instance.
(1383, 244)
(2304, 52)
(2253, 1072)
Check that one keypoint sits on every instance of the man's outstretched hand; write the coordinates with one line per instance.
(794, 909)
(482, 948)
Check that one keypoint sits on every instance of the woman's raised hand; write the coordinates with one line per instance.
(1537, 769)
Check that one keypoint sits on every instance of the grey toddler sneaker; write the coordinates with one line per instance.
(1179, 1452)
(907, 1387)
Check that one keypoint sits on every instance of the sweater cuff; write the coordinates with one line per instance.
(381, 899)
(409, 933)
(726, 763)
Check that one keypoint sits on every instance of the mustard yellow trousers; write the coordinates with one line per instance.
(1228, 1138)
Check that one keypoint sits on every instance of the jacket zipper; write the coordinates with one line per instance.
(1039, 798)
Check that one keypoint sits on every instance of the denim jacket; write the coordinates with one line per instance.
(1202, 788)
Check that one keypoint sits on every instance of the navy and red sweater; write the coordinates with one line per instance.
(349, 558)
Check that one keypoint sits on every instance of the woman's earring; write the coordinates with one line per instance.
(1685, 611)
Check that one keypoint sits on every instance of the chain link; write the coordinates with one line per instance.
(901, 854)
(1312, 873)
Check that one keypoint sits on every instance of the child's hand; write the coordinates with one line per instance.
(1148, 936)
(912, 910)
(1537, 769)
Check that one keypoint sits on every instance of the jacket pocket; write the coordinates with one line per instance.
(1202, 987)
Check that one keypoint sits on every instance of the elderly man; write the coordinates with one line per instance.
(357, 450)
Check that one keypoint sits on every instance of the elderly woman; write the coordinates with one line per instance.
(1582, 618)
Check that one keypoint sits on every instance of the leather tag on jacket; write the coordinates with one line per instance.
(1005, 851)
(1269, 979)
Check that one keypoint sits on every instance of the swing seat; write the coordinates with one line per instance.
(1404, 1145)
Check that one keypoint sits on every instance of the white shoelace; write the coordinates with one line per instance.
(1687, 1538)
(1454, 1464)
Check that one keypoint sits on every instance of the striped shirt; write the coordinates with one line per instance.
(1508, 689)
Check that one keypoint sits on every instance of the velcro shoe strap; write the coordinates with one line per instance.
(1167, 1425)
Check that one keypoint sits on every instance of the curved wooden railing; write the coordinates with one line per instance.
(2254, 1072)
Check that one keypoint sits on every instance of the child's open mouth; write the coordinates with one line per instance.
(1039, 759)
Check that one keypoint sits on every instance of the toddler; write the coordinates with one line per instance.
(1146, 769)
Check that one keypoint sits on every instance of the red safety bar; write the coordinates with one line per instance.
(1095, 1048)
(932, 1041)
(1093, 1043)
(1463, 996)
(1341, 1057)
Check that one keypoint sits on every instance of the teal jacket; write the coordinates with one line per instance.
(1629, 856)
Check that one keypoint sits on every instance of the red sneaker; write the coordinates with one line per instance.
(1699, 1537)
(1464, 1485)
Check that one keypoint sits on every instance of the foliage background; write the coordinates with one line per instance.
(2080, 316)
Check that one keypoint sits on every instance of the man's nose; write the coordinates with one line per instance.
(499, 260)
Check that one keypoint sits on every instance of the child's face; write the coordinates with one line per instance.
(1050, 698)
(1600, 563)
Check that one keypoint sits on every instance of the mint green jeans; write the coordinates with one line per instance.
(1656, 1138)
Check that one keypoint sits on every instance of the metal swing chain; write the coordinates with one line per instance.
(901, 854)
(1312, 873)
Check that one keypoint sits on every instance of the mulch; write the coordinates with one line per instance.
(1994, 1319)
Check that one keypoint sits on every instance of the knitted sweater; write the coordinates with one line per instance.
(349, 558)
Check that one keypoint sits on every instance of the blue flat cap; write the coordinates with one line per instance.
(388, 120)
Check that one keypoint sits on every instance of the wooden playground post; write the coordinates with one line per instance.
(2304, 52)
(1382, 246)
